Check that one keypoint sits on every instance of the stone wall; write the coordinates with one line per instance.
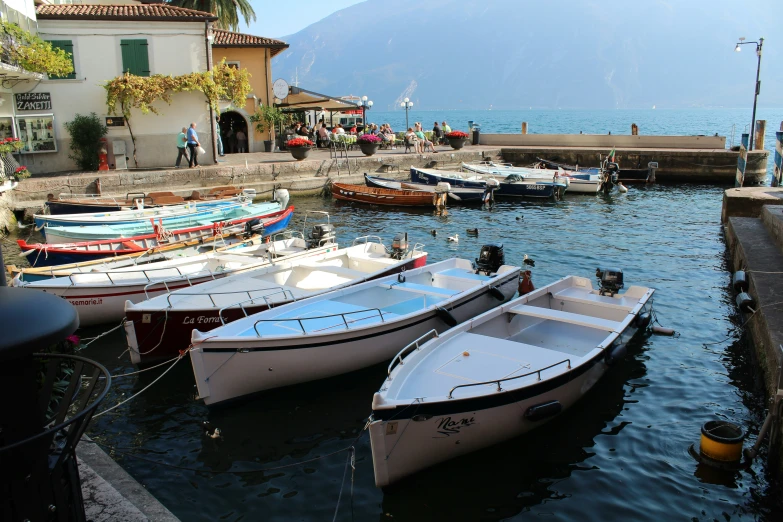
(607, 141)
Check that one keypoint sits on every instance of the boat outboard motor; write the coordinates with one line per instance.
(320, 235)
(610, 279)
(399, 246)
(491, 258)
(282, 197)
(253, 226)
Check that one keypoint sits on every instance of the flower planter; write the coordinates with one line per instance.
(368, 149)
(299, 153)
(456, 143)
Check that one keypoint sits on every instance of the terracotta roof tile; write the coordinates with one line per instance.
(149, 12)
(229, 39)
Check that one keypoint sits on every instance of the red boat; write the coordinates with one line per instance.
(42, 254)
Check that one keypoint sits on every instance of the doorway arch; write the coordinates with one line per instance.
(231, 123)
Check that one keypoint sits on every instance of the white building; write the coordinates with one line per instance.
(105, 41)
(13, 79)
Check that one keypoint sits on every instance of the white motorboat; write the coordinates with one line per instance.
(162, 326)
(101, 296)
(578, 182)
(342, 331)
(502, 374)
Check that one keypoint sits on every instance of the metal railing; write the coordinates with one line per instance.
(498, 381)
(301, 326)
(400, 354)
(241, 304)
(358, 240)
(165, 282)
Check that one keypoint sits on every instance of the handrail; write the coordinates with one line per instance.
(498, 381)
(398, 357)
(165, 282)
(281, 290)
(417, 247)
(367, 240)
(304, 332)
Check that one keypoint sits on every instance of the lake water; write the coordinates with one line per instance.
(619, 454)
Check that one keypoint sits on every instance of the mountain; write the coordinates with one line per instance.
(511, 54)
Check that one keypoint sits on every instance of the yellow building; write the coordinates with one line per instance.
(255, 54)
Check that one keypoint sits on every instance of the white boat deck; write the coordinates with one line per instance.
(470, 358)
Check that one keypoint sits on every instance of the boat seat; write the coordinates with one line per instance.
(576, 295)
(566, 317)
(423, 289)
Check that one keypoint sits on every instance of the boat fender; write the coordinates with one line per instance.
(496, 293)
(446, 317)
(660, 330)
(643, 320)
(739, 282)
(543, 411)
(400, 277)
(616, 353)
(745, 302)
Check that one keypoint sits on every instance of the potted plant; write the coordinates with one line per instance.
(266, 119)
(369, 143)
(299, 148)
(21, 172)
(456, 139)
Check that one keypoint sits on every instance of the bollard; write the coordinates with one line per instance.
(634, 129)
(758, 140)
(524, 127)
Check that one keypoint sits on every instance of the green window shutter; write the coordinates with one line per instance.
(67, 46)
(135, 57)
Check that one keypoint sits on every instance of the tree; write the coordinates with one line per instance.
(86, 133)
(227, 11)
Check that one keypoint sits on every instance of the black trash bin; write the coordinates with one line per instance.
(476, 130)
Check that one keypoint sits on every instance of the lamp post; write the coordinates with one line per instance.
(758, 44)
(407, 105)
(366, 105)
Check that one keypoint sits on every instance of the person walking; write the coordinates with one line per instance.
(241, 141)
(193, 145)
(182, 144)
(219, 137)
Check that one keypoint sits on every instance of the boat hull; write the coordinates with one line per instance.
(381, 196)
(445, 429)
(55, 254)
(467, 196)
(273, 363)
(533, 188)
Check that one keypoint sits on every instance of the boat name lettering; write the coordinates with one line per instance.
(84, 302)
(448, 427)
(200, 320)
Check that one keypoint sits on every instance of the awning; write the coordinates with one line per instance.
(304, 100)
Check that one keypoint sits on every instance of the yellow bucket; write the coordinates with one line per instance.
(721, 440)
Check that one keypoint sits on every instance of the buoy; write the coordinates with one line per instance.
(446, 317)
(660, 330)
(745, 302)
(739, 281)
(542, 411)
(616, 353)
(622, 188)
(643, 320)
(721, 441)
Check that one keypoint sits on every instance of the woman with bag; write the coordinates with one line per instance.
(194, 146)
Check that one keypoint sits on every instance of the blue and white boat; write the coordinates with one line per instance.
(122, 217)
(582, 182)
(72, 234)
(510, 185)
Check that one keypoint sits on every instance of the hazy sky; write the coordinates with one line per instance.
(279, 18)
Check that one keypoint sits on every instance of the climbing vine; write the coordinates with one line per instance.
(33, 54)
(129, 91)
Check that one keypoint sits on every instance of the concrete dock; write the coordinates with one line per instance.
(753, 225)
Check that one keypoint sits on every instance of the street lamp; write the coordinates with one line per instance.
(366, 105)
(407, 105)
(758, 44)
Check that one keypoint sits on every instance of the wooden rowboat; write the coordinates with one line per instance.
(56, 254)
(381, 196)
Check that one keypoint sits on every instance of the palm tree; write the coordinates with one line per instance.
(227, 11)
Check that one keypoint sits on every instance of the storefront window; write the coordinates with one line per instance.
(37, 133)
(6, 127)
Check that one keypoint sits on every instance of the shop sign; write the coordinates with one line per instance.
(34, 101)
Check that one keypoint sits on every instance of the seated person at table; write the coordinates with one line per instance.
(338, 130)
(387, 135)
(412, 139)
(301, 130)
(423, 139)
(353, 129)
(437, 134)
(323, 135)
